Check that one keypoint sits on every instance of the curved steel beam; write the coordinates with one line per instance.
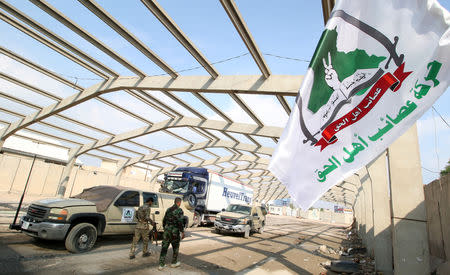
(248, 166)
(253, 160)
(266, 131)
(197, 146)
(127, 35)
(337, 198)
(275, 85)
(72, 52)
(171, 26)
(252, 175)
(239, 23)
(52, 11)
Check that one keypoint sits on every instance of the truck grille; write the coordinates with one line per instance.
(229, 220)
(37, 212)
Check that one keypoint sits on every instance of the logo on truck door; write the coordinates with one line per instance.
(234, 195)
(127, 214)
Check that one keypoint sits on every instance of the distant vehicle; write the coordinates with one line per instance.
(238, 218)
(338, 209)
(276, 210)
(99, 210)
(206, 192)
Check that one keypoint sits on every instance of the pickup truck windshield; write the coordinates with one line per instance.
(239, 209)
(176, 187)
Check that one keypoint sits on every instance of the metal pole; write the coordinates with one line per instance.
(388, 167)
(74, 179)
(14, 225)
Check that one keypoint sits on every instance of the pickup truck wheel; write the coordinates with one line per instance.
(261, 229)
(247, 232)
(196, 219)
(81, 238)
(186, 222)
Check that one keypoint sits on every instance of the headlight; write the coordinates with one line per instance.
(58, 214)
(243, 220)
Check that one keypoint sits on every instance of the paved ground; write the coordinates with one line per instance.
(287, 246)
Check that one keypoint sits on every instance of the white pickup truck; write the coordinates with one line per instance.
(237, 218)
(99, 210)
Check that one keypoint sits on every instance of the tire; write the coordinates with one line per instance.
(247, 232)
(261, 229)
(190, 201)
(196, 219)
(81, 238)
(38, 240)
(216, 230)
(186, 221)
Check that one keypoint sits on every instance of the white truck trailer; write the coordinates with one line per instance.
(207, 192)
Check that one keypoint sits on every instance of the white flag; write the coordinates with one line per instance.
(378, 67)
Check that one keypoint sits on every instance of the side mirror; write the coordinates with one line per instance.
(223, 209)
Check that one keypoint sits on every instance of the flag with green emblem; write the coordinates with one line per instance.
(373, 74)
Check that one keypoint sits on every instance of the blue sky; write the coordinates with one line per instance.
(285, 28)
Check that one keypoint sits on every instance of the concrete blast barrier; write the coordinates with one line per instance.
(390, 209)
(45, 177)
(437, 202)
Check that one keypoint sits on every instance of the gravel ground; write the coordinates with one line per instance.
(288, 246)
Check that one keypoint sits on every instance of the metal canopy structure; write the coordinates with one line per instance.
(210, 139)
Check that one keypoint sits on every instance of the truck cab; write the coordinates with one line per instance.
(205, 192)
(99, 210)
(192, 183)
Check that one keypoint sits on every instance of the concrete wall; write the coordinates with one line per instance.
(14, 171)
(437, 202)
(283, 210)
(327, 216)
(45, 177)
(390, 209)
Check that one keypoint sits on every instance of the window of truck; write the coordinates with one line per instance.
(147, 195)
(175, 186)
(128, 198)
(259, 211)
(242, 209)
(264, 211)
(198, 187)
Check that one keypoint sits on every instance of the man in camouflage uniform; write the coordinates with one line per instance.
(142, 229)
(173, 223)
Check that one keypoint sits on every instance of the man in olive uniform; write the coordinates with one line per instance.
(173, 223)
(142, 228)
